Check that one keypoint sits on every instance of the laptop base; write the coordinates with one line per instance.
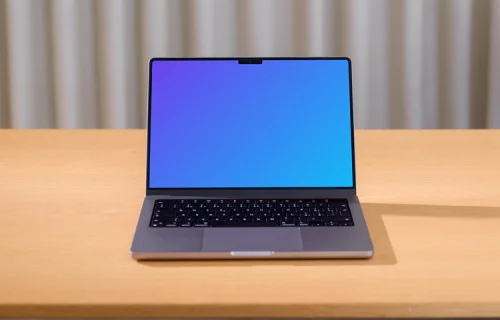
(250, 243)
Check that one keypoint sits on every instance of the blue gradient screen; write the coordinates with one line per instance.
(221, 124)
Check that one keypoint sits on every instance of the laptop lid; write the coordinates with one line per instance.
(250, 127)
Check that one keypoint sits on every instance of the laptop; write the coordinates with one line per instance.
(250, 158)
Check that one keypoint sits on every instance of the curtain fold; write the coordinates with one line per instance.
(83, 63)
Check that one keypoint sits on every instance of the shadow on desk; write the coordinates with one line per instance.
(384, 253)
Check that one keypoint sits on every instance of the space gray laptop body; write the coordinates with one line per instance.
(250, 158)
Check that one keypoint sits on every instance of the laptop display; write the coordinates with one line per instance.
(272, 124)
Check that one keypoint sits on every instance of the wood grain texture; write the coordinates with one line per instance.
(69, 202)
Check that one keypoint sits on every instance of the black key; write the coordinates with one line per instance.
(201, 224)
(171, 223)
(186, 223)
(288, 223)
(336, 219)
(155, 220)
(344, 213)
(217, 220)
(345, 224)
(303, 222)
(316, 223)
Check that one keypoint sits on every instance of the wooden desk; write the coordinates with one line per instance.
(69, 202)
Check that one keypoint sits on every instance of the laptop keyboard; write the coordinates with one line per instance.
(251, 213)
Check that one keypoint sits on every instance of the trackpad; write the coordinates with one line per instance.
(252, 239)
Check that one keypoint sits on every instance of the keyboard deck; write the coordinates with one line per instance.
(251, 213)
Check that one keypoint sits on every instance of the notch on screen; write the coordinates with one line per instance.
(250, 61)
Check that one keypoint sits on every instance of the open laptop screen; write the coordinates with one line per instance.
(282, 123)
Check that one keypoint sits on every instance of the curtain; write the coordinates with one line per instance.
(83, 63)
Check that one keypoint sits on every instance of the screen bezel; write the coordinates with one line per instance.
(253, 192)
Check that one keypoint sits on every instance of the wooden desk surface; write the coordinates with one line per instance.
(69, 202)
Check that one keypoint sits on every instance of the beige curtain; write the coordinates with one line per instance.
(83, 63)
